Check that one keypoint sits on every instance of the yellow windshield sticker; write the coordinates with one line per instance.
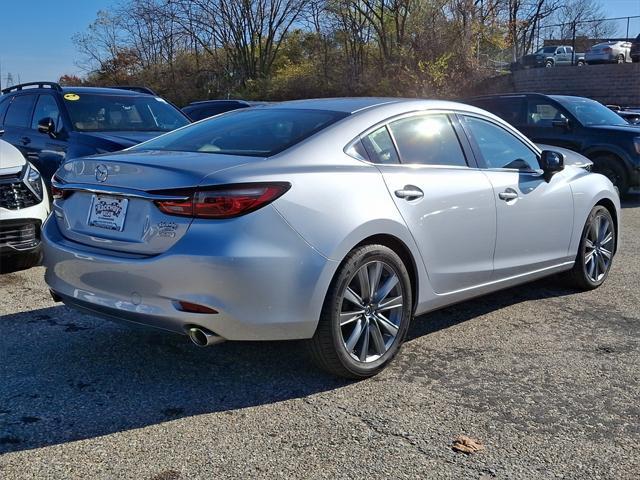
(71, 96)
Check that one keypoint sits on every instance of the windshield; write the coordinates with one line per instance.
(122, 113)
(547, 50)
(589, 112)
(253, 132)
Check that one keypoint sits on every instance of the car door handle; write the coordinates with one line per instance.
(25, 140)
(409, 192)
(508, 194)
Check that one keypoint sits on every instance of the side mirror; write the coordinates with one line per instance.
(551, 163)
(47, 125)
(563, 124)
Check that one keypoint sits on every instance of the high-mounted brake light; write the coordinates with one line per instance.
(226, 201)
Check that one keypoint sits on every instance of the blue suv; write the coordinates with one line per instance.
(51, 124)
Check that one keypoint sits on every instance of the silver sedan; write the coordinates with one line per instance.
(336, 221)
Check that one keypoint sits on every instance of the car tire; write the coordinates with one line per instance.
(595, 252)
(581, 63)
(343, 334)
(620, 58)
(612, 168)
(548, 64)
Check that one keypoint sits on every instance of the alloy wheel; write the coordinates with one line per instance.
(371, 311)
(598, 251)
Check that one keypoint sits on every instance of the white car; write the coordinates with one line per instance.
(24, 206)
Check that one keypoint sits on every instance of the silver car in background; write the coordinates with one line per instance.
(609, 52)
(334, 220)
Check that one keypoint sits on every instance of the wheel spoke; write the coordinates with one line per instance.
(363, 281)
(386, 288)
(604, 229)
(608, 238)
(395, 302)
(596, 265)
(376, 336)
(589, 256)
(348, 317)
(386, 324)
(374, 276)
(602, 266)
(606, 253)
(592, 265)
(365, 344)
(355, 336)
(353, 297)
(589, 243)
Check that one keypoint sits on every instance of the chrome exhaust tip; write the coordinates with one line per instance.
(203, 337)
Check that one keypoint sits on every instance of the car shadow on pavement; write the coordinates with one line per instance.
(68, 376)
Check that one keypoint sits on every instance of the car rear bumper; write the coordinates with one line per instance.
(600, 58)
(263, 279)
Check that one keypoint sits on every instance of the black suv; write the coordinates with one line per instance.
(50, 123)
(208, 108)
(576, 123)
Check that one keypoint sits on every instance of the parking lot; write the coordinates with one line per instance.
(548, 379)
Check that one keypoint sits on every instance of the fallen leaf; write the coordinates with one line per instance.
(467, 445)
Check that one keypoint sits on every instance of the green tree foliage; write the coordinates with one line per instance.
(285, 49)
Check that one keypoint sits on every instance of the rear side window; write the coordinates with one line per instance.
(4, 104)
(510, 109)
(380, 148)
(19, 111)
(205, 112)
(258, 133)
(428, 140)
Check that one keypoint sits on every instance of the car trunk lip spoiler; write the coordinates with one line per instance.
(116, 191)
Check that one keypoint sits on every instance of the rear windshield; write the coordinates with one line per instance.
(122, 113)
(253, 132)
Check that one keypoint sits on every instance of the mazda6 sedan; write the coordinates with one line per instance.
(335, 221)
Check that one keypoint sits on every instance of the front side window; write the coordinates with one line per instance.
(428, 140)
(19, 112)
(541, 113)
(499, 148)
(258, 133)
(122, 113)
(380, 147)
(46, 107)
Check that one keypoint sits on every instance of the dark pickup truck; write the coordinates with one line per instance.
(552, 57)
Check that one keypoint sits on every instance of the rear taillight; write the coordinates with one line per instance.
(226, 201)
(58, 192)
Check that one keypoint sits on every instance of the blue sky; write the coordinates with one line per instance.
(35, 35)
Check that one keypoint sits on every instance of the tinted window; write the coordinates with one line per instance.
(428, 140)
(19, 112)
(198, 113)
(46, 107)
(380, 147)
(4, 104)
(510, 109)
(499, 148)
(259, 133)
(541, 113)
(126, 113)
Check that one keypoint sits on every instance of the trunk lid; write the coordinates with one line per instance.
(119, 212)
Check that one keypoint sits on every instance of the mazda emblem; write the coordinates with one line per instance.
(101, 173)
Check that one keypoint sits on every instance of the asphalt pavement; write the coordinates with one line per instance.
(547, 378)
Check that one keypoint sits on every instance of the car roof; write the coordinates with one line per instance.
(103, 91)
(223, 101)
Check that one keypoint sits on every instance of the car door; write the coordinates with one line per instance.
(447, 204)
(534, 217)
(544, 124)
(17, 122)
(48, 151)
